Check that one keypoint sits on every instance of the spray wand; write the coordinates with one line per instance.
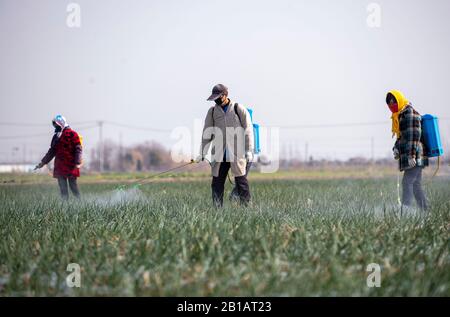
(141, 182)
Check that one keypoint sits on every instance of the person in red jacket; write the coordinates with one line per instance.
(66, 148)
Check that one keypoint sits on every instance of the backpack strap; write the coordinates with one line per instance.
(237, 113)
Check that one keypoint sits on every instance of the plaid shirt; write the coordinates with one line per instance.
(409, 145)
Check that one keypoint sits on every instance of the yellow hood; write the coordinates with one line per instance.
(402, 103)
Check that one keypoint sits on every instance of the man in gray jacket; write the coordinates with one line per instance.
(229, 130)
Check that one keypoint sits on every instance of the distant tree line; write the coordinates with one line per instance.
(145, 157)
(152, 156)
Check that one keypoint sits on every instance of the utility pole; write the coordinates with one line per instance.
(286, 151)
(100, 145)
(24, 150)
(120, 153)
(372, 147)
(15, 150)
(291, 152)
(306, 152)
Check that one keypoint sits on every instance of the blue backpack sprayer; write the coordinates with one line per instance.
(432, 138)
(257, 150)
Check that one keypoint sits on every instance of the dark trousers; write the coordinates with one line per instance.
(218, 186)
(412, 188)
(234, 195)
(62, 182)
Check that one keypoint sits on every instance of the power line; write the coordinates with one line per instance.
(133, 127)
(136, 127)
(37, 135)
(336, 125)
(22, 124)
(12, 137)
(129, 126)
(17, 124)
(81, 128)
(332, 125)
(87, 128)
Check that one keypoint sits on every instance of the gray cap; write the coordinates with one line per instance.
(217, 91)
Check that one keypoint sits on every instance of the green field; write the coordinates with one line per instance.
(299, 238)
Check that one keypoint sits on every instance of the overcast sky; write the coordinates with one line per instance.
(153, 64)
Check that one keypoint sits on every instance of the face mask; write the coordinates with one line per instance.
(218, 101)
(393, 107)
(57, 127)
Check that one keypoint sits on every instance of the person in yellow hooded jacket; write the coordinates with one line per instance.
(408, 148)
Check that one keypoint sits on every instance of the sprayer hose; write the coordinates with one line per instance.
(162, 173)
(438, 166)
